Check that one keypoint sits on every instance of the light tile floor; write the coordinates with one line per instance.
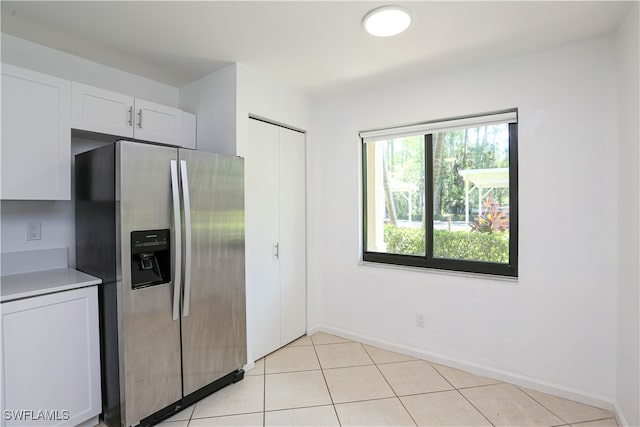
(326, 380)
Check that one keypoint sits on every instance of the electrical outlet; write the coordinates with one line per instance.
(420, 320)
(33, 231)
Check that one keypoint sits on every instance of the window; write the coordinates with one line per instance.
(443, 194)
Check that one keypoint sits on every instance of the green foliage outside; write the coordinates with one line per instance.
(490, 247)
(403, 240)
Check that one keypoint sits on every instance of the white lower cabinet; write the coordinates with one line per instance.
(51, 359)
(275, 236)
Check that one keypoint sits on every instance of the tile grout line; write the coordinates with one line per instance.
(292, 372)
(460, 393)
(368, 400)
(427, 392)
(299, 407)
(390, 386)
(475, 407)
(559, 417)
(591, 421)
(334, 343)
(264, 393)
(193, 411)
(541, 404)
(348, 366)
(333, 405)
(221, 416)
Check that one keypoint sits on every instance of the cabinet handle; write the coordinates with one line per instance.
(140, 118)
(131, 116)
(276, 251)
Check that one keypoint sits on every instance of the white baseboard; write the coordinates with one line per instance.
(249, 366)
(485, 371)
(622, 421)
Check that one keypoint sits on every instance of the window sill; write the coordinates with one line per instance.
(439, 271)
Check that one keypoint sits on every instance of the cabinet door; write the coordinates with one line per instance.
(262, 223)
(292, 241)
(157, 123)
(101, 111)
(51, 358)
(36, 136)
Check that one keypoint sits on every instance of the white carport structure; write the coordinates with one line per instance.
(482, 179)
(406, 189)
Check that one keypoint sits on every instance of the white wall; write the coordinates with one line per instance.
(36, 57)
(261, 97)
(552, 329)
(213, 99)
(628, 375)
(57, 217)
(224, 100)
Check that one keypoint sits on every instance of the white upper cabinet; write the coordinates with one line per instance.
(102, 111)
(157, 123)
(112, 113)
(36, 136)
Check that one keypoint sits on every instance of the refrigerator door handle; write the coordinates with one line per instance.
(177, 275)
(187, 238)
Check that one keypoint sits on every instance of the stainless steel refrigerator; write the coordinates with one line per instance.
(164, 229)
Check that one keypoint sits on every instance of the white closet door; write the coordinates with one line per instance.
(275, 237)
(261, 222)
(292, 235)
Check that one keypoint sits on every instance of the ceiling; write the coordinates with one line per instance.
(318, 47)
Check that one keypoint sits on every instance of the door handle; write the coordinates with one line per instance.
(131, 116)
(276, 250)
(140, 118)
(177, 241)
(186, 298)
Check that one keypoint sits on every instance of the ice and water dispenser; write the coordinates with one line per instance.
(150, 258)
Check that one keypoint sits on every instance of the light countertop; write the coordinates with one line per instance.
(25, 285)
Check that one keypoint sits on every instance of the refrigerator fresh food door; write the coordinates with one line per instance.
(213, 313)
(150, 337)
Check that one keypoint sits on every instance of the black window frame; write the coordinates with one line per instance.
(427, 261)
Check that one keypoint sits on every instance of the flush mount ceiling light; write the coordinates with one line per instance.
(387, 21)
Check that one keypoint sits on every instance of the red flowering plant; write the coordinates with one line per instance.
(491, 218)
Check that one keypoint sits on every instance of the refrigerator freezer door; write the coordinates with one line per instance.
(214, 330)
(150, 338)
